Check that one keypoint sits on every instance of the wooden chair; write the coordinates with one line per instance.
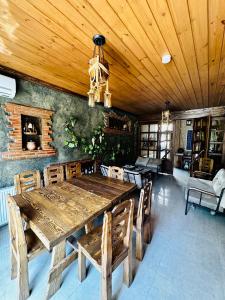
(115, 172)
(24, 245)
(27, 181)
(53, 174)
(73, 170)
(142, 219)
(205, 168)
(109, 245)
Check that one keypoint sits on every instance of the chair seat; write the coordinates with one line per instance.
(34, 245)
(91, 245)
(201, 184)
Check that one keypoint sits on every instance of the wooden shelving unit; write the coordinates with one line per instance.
(155, 140)
(217, 141)
(209, 135)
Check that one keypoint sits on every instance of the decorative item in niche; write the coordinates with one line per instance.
(116, 124)
(29, 132)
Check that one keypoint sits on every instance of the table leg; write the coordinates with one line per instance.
(58, 254)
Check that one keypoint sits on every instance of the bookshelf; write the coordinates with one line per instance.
(209, 135)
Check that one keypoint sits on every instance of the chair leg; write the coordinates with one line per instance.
(81, 265)
(127, 271)
(186, 208)
(23, 280)
(147, 232)
(106, 282)
(139, 244)
(13, 265)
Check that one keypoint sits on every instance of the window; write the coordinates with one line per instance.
(156, 140)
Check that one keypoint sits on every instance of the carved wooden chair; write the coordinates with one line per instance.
(73, 170)
(109, 245)
(24, 245)
(116, 172)
(27, 181)
(205, 168)
(142, 219)
(53, 174)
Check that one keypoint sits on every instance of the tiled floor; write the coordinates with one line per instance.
(185, 260)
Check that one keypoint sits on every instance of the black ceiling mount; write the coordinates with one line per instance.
(99, 40)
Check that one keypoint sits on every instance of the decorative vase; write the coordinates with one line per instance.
(31, 145)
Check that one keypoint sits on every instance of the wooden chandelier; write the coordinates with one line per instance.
(99, 74)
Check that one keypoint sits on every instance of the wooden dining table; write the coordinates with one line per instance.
(57, 211)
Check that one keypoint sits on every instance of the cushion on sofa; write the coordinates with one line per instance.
(218, 184)
(202, 184)
(154, 162)
(205, 185)
(141, 161)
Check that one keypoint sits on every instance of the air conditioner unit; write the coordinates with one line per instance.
(7, 87)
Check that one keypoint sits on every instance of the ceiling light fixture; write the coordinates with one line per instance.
(166, 58)
(99, 74)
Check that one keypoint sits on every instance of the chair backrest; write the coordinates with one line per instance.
(17, 236)
(73, 170)
(53, 174)
(117, 231)
(116, 172)
(104, 170)
(27, 181)
(133, 177)
(206, 164)
(145, 203)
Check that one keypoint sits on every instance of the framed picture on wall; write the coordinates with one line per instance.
(188, 122)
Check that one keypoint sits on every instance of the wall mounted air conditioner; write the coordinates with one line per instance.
(7, 87)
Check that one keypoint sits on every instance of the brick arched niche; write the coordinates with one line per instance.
(16, 114)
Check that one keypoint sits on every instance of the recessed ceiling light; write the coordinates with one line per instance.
(166, 58)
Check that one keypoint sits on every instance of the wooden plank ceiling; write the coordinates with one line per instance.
(51, 40)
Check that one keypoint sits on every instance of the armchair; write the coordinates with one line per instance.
(207, 193)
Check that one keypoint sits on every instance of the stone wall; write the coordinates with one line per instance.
(64, 105)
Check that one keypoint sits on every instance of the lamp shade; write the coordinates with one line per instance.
(107, 99)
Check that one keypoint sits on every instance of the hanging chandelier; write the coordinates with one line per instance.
(99, 74)
(166, 115)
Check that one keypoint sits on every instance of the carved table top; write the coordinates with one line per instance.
(56, 211)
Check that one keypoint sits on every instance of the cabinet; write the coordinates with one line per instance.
(155, 140)
(209, 140)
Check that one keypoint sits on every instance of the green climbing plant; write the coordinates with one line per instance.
(97, 144)
(72, 140)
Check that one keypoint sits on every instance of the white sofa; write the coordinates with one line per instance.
(207, 193)
(152, 164)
